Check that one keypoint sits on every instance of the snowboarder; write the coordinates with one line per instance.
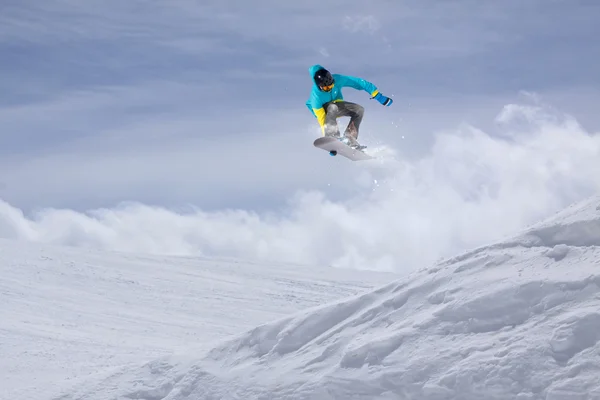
(327, 103)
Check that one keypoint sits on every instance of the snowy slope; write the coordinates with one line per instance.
(67, 313)
(515, 320)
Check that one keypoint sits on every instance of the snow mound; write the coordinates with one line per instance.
(514, 320)
(577, 225)
(68, 313)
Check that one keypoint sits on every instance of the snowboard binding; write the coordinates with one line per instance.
(352, 143)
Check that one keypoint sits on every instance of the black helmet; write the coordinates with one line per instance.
(323, 78)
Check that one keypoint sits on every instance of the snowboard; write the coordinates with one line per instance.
(335, 146)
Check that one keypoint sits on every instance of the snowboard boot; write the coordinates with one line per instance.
(350, 136)
(350, 141)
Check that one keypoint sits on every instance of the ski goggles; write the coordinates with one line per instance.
(327, 88)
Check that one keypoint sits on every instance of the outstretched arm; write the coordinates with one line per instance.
(362, 84)
(356, 83)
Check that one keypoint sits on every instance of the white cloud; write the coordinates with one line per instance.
(469, 189)
(363, 23)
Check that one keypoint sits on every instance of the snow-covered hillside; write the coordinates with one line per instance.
(67, 313)
(515, 320)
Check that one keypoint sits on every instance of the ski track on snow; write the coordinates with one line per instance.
(519, 319)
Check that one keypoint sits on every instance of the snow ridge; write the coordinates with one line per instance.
(514, 320)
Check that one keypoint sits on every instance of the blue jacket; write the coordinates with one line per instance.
(318, 98)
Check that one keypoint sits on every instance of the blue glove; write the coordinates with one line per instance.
(386, 101)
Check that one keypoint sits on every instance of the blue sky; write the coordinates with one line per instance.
(186, 104)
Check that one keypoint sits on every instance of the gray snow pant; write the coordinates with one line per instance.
(343, 109)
